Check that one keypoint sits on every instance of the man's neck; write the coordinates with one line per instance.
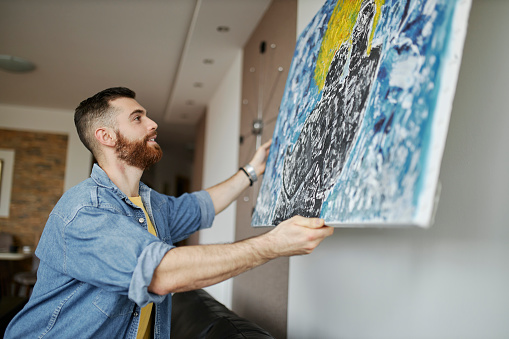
(126, 178)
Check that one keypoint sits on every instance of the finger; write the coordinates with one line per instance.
(328, 230)
(263, 150)
(266, 144)
(322, 232)
(308, 222)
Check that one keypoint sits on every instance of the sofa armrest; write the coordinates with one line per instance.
(196, 314)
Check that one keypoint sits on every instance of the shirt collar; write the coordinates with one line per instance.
(102, 179)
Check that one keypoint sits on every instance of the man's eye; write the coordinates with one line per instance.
(137, 118)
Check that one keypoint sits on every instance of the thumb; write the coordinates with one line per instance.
(309, 222)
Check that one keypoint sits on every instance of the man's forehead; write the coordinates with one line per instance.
(126, 106)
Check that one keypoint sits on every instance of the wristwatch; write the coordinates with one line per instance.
(250, 172)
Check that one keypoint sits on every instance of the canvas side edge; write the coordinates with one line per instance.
(429, 201)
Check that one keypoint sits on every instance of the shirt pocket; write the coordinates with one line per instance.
(113, 304)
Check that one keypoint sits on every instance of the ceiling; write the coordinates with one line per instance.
(170, 52)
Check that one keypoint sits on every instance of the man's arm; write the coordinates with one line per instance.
(225, 193)
(191, 267)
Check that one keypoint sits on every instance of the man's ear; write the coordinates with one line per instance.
(106, 136)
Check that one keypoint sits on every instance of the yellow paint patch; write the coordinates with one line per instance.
(339, 30)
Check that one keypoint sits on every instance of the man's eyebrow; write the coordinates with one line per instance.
(137, 111)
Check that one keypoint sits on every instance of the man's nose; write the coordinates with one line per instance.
(152, 125)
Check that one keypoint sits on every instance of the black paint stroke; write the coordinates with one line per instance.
(314, 164)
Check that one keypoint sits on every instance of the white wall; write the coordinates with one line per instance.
(306, 10)
(78, 162)
(451, 281)
(221, 159)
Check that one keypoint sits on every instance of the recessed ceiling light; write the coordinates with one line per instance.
(223, 29)
(15, 64)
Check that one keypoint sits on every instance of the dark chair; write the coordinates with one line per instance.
(26, 279)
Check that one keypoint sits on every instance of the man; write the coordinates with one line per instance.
(108, 264)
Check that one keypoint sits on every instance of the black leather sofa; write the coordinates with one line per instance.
(196, 314)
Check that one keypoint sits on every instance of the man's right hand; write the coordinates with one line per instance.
(295, 236)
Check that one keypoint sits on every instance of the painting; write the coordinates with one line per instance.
(6, 175)
(363, 120)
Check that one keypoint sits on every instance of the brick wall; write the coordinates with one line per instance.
(38, 181)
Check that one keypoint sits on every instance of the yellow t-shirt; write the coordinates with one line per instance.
(146, 316)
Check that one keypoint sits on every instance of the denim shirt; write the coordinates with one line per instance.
(97, 260)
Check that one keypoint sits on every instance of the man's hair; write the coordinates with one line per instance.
(96, 112)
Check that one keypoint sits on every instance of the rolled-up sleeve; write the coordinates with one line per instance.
(206, 207)
(143, 272)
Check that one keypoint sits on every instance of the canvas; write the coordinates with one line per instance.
(363, 121)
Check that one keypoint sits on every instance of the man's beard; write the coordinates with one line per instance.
(138, 153)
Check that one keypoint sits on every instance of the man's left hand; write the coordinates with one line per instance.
(260, 158)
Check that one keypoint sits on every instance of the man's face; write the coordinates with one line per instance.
(136, 135)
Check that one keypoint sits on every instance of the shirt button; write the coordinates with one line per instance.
(141, 220)
(135, 314)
